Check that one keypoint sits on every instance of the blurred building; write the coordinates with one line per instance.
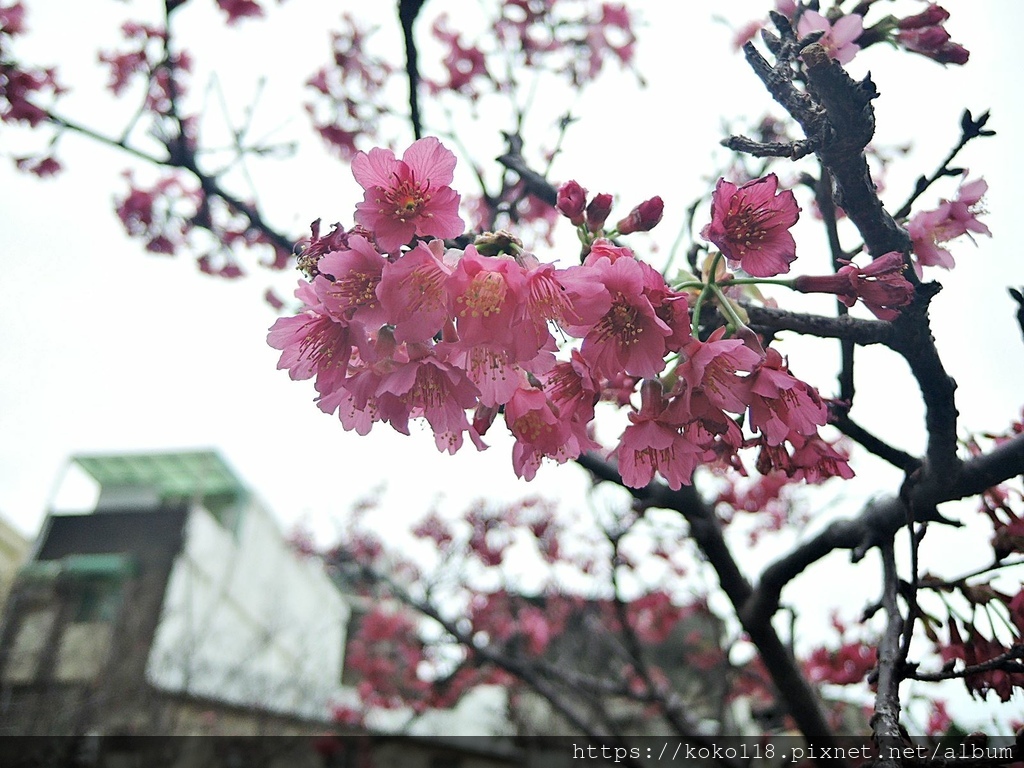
(175, 607)
(177, 592)
(14, 549)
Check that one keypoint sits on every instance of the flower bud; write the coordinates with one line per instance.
(571, 200)
(929, 17)
(598, 210)
(642, 218)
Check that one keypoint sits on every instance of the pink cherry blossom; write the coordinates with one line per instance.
(413, 292)
(643, 218)
(923, 33)
(597, 211)
(711, 366)
(781, 403)
(654, 442)
(427, 386)
(840, 36)
(539, 431)
(347, 284)
(572, 199)
(929, 230)
(815, 460)
(490, 367)
(312, 343)
(485, 294)
(751, 223)
(620, 329)
(408, 197)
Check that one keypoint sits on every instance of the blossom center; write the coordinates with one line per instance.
(746, 227)
(356, 289)
(621, 322)
(484, 295)
(424, 288)
(405, 199)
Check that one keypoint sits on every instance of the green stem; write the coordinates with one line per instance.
(704, 293)
(760, 281)
(727, 306)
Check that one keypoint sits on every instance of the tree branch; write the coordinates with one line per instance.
(793, 689)
(770, 320)
(873, 444)
(885, 723)
(408, 10)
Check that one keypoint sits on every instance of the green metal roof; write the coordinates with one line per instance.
(186, 474)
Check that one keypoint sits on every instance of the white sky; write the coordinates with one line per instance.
(106, 349)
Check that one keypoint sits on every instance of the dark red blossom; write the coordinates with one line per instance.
(923, 33)
(880, 285)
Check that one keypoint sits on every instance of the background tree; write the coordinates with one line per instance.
(190, 208)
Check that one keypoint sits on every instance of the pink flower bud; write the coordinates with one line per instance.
(571, 200)
(925, 40)
(643, 218)
(930, 16)
(598, 211)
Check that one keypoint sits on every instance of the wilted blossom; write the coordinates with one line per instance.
(408, 197)
(880, 285)
(923, 33)
(751, 223)
(931, 229)
(840, 35)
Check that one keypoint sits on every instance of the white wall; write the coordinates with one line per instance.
(246, 620)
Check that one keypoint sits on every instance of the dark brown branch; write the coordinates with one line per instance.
(913, 340)
(793, 150)
(535, 183)
(840, 139)
(881, 518)
(408, 10)
(770, 321)
(836, 116)
(982, 472)
(1007, 662)
(885, 723)
(877, 522)
(873, 444)
(969, 129)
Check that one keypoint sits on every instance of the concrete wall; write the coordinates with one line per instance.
(248, 621)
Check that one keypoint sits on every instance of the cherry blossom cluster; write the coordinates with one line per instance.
(397, 325)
